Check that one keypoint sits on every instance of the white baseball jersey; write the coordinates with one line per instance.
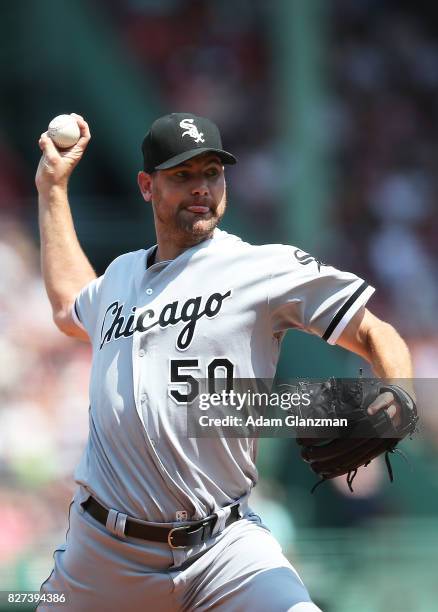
(222, 305)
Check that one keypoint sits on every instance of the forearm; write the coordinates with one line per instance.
(65, 267)
(389, 355)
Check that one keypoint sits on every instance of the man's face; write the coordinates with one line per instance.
(188, 200)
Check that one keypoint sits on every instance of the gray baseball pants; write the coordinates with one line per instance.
(240, 569)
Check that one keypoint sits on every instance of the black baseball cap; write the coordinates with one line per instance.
(177, 137)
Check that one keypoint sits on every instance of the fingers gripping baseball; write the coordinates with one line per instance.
(56, 164)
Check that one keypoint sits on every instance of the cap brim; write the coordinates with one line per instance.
(225, 157)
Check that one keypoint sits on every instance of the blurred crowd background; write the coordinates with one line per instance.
(332, 110)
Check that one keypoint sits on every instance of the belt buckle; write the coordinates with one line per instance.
(189, 529)
(170, 535)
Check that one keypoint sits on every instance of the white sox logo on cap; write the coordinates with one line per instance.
(191, 130)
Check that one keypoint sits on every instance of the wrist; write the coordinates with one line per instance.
(50, 190)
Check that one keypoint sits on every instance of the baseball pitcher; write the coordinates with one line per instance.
(161, 521)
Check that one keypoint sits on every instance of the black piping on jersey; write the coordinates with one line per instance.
(338, 316)
(151, 257)
(76, 312)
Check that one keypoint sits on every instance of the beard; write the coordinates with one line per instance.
(192, 226)
(197, 225)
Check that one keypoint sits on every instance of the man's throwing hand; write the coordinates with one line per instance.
(56, 165)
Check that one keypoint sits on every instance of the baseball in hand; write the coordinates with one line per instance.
(64, 131)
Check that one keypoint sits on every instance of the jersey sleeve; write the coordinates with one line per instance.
(86, 306)
(307, 294)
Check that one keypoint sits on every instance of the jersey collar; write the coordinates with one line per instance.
(142, 267)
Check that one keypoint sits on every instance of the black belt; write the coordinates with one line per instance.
(176, 537)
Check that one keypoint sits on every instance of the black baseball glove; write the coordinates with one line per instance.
(335, 451)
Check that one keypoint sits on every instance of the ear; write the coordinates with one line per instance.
(144, 181)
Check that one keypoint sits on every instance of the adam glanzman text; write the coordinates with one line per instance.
(252, 400)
